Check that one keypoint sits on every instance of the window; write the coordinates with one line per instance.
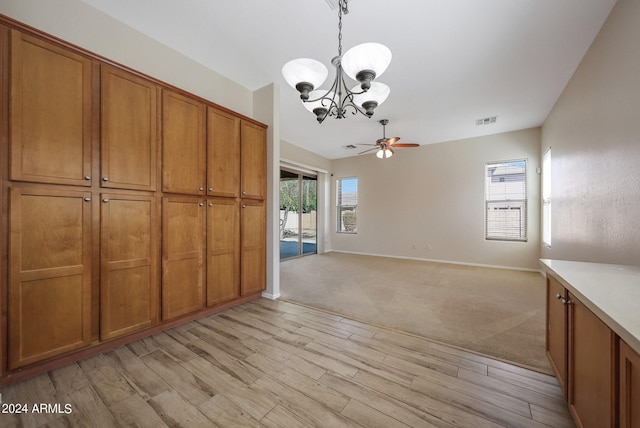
(506, 200)
(347, 205)
(546, 198)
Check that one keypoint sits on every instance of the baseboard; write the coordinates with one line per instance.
(439, 261)
(271, 296)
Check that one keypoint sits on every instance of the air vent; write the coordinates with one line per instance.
(349, 147)
(487, 120)
(333, 4)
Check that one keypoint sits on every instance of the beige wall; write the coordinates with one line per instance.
(296, 154)
(76, 22)
(434, 195)
(594, 135)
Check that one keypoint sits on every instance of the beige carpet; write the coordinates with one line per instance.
(496, 312)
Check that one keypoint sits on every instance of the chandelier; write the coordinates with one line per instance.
(362, 63)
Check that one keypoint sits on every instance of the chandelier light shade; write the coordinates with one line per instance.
(305, 74)
(365, 62)
(362, 63)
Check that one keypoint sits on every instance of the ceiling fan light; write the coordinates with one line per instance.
(366, 61)
(384, 153)
(369, 100)
(304, 74)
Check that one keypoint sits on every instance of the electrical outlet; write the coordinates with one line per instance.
(428, 247)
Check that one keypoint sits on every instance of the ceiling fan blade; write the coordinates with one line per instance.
(375, 148)
(407, 145)
(393, 140)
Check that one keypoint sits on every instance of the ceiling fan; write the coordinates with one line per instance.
(386, 145)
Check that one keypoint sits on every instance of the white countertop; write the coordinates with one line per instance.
(612, 292)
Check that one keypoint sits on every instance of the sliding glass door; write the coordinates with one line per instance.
(298, 201)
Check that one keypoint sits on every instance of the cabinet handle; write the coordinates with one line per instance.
(565, 301)
(211, 189)
(558, 296)
(201, 188)
(201, 204)
(87, 199)
(244, 193)
(105, 200)
(210, 205)
(244, 206)
(105, 178)
(87, 177)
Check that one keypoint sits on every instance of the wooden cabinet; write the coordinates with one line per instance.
(556, 340)
(183, 237)
(253, 247)
(223, 153)
(129, 130)
(51, 113)
(183, 144)
(591, 368)
(49, 273)
(223, 250)
(629, 381)
(253, 143)
(129, 271)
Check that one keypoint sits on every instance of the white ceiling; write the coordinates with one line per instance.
(454, 61)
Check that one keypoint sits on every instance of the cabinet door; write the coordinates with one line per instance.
(223, 250)
(129, 134)
(49, 274)
(223, 154)
(183, 144)
(183, 237)
(591, 368)
(129, 286)
(253, 246)
(629, 381)
(253, 160)
(51, 113)
(557, 330)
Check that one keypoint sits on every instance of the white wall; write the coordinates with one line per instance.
(594, 135)
(434, 195)
(76, 22)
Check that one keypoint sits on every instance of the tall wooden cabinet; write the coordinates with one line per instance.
(129, 122)
(51, 113)
(128, 205)
(183, 241)
(629, 381)
(129, 270)
(49, 274)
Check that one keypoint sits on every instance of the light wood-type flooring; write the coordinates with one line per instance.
(278, 364)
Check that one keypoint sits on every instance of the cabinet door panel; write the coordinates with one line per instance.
(51, 113)
(253, 256)
(183, 237)
(129, 134)
(223, 154)
(591, 366)
(50, 274)
(223, 250)
(253, 157)
(183, 144)
(129, 288)
(557, 330)
(629, 387)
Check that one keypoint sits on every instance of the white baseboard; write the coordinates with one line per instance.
(440, 261)
(270, 296)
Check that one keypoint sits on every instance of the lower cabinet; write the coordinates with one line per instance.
(223, 250)
(49, 301)
(591, 368)
(253, 247)
(557, 330)
(183, 238)
(629, 381)
(129, 271)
